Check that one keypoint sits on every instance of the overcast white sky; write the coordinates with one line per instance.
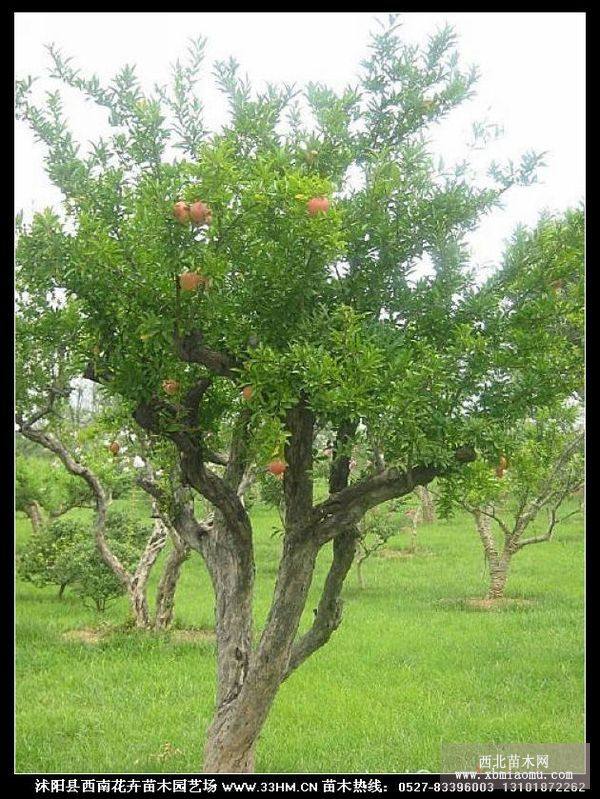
(531, 64)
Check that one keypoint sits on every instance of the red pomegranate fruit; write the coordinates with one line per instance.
(317, 205)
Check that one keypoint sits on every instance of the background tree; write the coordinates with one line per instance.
(542, 468)
(34, 486)
(45, 367)
(376, 529)
(64, 554)
(263, 289)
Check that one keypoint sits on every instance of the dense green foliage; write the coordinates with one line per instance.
(428, 363)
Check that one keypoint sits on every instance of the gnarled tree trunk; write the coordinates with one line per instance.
(137, 585)
(134, 585)
(165, 595)
(248, 678)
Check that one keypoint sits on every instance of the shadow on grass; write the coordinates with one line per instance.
(404, 554)
(478, 604)
(113, 633)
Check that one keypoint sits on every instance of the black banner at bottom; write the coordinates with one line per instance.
(310, 784)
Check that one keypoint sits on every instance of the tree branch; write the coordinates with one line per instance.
(348, 506)
(298, 480)
(217, 490)
(328, 615)
(191, 349)
(340, 465)
(55, 445)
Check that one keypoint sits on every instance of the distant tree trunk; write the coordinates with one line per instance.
(359, 574)
(498, 562)
(415, 516)
(165, 596)
(427, 505)
(34, 512)
(138, 584)
(61, 590)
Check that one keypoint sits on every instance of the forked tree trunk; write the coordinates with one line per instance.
(165, 596)
(137, 585)
(248, 678)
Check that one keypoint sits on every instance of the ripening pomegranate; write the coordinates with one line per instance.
(114, 447)
(200, 213)
(247, 392)
(189, 281)
(277, 467)
(170, 386)
(317, 205)
(181, 212)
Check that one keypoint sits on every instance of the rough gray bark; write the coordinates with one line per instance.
(498, 578)
(328, 614)
(498, 560)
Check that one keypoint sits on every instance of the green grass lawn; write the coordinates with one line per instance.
(410, 668)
